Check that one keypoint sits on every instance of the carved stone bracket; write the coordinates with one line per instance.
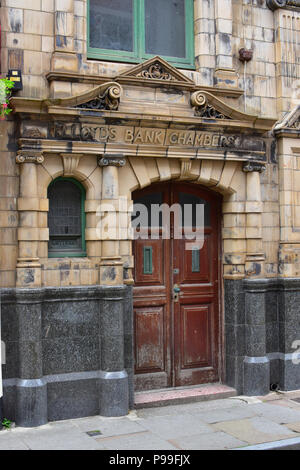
(70, 162)
(105, 96)
(109, 100)
(112, 160)
(203, 109)
(253, 166)
(185, 169)
(275, 4)
(29, 157)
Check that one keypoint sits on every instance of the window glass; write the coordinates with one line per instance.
(192, 200)
(147, 201)
(111, 24)
(65, 217)
(165, 27)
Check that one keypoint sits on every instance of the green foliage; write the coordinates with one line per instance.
(6, 423)
(5, 87)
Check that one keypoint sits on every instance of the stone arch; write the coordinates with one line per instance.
(83, 168)
(241, 208)
(225, 177)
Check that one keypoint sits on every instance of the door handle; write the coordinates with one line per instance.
(176, 290)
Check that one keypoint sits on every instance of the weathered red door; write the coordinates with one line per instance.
(176, 294)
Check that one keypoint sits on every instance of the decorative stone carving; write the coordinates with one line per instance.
(156, 71)
(112, 160)
(29, 157)
(33, 133)
(253, 166)
(275, 4)
(204, 109)
(109, 100)
(295, 125)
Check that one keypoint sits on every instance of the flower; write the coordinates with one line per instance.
(4, 105)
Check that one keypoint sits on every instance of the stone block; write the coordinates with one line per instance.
(37, 22)
(48, 5)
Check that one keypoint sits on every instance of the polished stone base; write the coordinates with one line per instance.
(114, 399)
(69, 353)
(262, 334)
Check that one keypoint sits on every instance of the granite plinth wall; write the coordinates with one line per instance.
(69, 353)
(262, 327)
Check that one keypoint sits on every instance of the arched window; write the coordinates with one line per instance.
(66, 218)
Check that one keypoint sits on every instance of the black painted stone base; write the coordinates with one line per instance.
(262, 327)
(64, 347)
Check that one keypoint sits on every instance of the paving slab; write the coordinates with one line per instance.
(276, 413)
(210, 441)
(9, 441)
(228, 414)
(171, 427)
(139, 441)
(59, 439)
(108, 426)
(255, 430)
(294, 427)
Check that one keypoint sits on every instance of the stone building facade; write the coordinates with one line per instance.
(88, 319)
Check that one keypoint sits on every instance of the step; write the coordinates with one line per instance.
(182, 395)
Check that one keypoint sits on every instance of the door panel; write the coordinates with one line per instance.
(177, 333)
(195, 331)
(149, 343)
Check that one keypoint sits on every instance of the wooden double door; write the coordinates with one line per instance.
(176, 291)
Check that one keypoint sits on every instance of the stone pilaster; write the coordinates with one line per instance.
(64, 57)
(111, 226)
(255, 256)
(29, 232)
(225, 75)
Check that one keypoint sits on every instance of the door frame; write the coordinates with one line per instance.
(220, 288)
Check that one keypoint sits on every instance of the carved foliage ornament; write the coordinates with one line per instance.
(156, 72)
(109, 100)
(205, 110)
(295, 125)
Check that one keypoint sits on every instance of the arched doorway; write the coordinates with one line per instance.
(176, 291)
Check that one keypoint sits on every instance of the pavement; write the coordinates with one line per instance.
(232, 423)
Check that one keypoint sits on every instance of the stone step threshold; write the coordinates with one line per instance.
(182, 395)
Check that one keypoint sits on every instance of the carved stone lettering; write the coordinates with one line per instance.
(157, 137)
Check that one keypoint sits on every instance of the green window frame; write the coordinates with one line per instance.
(139, 55)
(82, 251)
